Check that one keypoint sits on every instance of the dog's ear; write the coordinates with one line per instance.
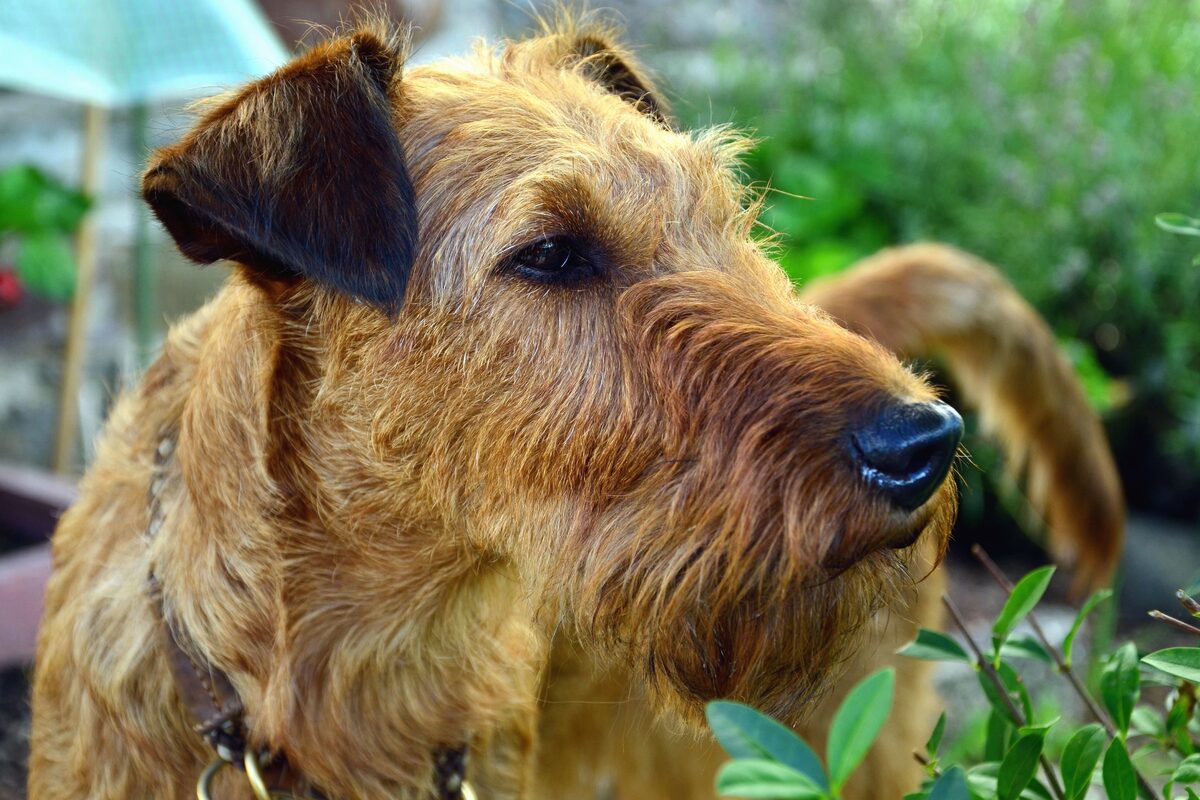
(611, 66)
(301, 175)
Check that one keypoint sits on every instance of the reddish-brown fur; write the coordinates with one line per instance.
(546, 521)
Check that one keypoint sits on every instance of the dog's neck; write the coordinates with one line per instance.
(281, 564)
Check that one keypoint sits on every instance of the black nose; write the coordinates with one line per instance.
(906, 451)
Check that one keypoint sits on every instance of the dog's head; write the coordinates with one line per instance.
(526, 317)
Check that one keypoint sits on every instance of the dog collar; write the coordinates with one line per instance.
(216, 709)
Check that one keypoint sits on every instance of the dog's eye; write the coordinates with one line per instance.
(554, 259)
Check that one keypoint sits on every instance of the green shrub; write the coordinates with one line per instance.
(1043, 136)
(1132, 749)
(37, 214)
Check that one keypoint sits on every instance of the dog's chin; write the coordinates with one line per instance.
(758, 617)
(869, 532)
(779, 654)
(782, 651)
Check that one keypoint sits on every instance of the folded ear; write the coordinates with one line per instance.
(301, 175)
(611, 66)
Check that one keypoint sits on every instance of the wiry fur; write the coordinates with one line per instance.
(545, 521)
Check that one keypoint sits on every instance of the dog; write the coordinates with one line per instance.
(506, 446)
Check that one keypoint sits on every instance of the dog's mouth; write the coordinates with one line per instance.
(874, 560)
(756, 601)
(849, 546)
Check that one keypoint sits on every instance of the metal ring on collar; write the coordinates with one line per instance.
(254, 777)
(257, 785)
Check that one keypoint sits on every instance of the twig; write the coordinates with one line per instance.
(1178, 623)
(1002, 690)
(1060, 663)
(1188, 602)
(984, 663)
(925, 762)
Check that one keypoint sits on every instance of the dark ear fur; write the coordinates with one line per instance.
(607, 64)
(301, 175)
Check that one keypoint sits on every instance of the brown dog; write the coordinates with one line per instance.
(506, 437)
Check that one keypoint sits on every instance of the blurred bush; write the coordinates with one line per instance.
(37, 216)
(1044, 136)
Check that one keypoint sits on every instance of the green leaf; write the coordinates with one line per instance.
(1120, 782)
(1182, 662)
(1188, 771)
(857, 723)
(1098, 385)
(1156, 678)
(1036, 790)
(1015, 689)
(935, 738)
(1144, 752)
(1025, 647)
(1041, 727)
(1120, 685)
(934, 646)
(951, 786)
(1019, 765)
(1148, 722)
(46, 265)
(759, 778)
(1178, 716)
(746, 733)
(1178, 223)
(982, 780)
(1079, 760)
(999, 733)
(1192, 795)
(19, 186)
(1021, 600)
(1096, 599)
(33, 202)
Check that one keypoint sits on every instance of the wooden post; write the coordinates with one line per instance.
(145, 279)
(85, 268)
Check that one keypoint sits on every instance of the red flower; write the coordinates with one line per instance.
(11, 288)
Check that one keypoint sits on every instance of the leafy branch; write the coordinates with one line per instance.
(770, 761)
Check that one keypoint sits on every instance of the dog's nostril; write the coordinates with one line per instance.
(906, 451)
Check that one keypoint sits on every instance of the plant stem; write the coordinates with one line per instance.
(1178, 623)
(1060, 664)
(1189, 603)
(990, 672)
(923, 760)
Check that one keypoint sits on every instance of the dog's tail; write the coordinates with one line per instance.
(929, 299)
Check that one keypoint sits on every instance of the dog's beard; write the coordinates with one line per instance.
(775, 651)
(704, 608)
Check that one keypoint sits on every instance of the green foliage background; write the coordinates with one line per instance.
(1043, 135)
